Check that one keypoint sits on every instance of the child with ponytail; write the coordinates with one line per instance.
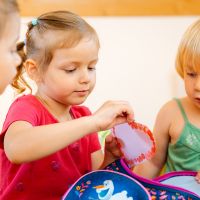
(48, 139)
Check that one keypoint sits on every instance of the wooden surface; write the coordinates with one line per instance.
(112, 7)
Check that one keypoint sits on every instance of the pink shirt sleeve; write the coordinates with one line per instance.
(20, 110)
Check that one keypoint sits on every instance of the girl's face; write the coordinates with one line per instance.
(71, 75)
(192, 85)
(9, 59)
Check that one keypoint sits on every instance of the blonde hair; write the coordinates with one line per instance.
(188, 55)
(7, 7)
(68, 29)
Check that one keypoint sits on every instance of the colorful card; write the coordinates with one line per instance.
(135, 141)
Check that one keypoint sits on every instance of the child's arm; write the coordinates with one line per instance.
(152, 168)
(198, 177)
(24, 143)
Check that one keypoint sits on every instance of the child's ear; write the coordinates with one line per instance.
(32, 70)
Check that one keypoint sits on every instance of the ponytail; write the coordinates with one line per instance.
(19, 83)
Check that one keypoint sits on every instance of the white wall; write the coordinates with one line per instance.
(136, 63)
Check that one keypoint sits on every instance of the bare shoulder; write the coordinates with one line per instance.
(169, 120)
(168, 110)
(167, 117)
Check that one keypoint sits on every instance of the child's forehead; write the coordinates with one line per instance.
(10, 32)
(55, 39)
(191, 59)
(83, 51)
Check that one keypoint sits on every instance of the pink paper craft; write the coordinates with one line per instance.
(136, 142)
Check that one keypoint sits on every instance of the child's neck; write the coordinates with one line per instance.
(60, 111)
(192, 111)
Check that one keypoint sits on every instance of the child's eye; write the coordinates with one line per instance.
(191, 74)
(91, 68)
(69, 70)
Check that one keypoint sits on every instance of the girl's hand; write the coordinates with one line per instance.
(111, 151)
(112, 147)
(112, 113)
(197, 178)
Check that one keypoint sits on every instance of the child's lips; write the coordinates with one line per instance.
(197, 100)
(82, 92)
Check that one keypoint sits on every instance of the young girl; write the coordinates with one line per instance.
(9, 33)
(48, 140)
(177, 127)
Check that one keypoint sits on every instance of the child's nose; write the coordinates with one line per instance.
(84, 76)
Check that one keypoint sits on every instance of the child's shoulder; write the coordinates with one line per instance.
(25, 97)
(170, 108)
(26, 100)
(167, 116)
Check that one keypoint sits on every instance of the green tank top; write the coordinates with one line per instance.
(185, 153)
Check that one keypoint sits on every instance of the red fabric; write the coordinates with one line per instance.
(50, 177)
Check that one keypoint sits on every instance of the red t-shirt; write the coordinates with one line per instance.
(50, 177)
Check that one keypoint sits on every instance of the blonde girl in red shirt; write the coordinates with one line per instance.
(48, 139)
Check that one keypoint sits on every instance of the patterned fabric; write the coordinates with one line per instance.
(106, 185)
(157, 190)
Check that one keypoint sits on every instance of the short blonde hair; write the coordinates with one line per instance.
(188, 55)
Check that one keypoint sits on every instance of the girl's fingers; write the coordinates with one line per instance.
(109, 138)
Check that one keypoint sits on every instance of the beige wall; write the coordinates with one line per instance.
(112, 7)
(136, 63)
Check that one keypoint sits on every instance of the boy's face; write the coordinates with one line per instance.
(9, 58)
(192, 85)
